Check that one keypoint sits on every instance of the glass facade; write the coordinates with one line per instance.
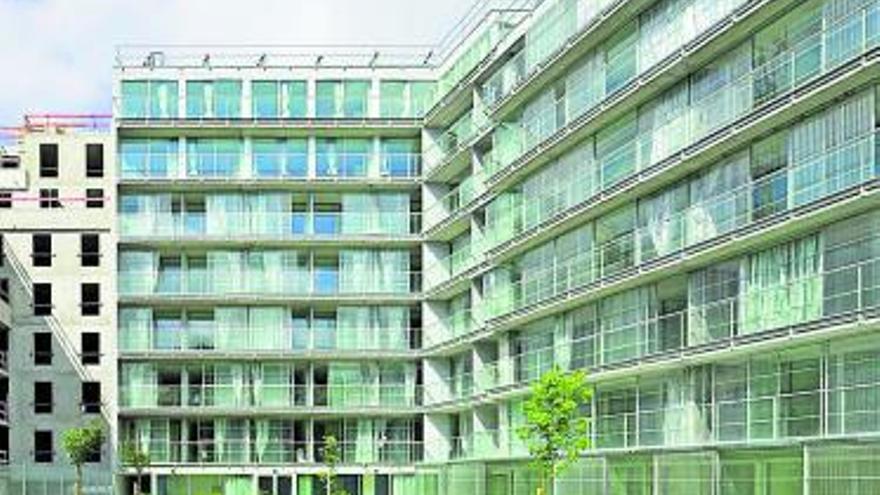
(684, 209)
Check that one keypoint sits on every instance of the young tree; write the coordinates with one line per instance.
(555, 431)
(80, 444)
(332, 458)
(133, 456)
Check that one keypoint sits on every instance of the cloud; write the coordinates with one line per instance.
(59, 55)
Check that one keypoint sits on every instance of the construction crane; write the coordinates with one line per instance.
(35, 122)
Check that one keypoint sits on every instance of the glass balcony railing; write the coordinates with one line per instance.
(745, 90)
(165, 338)
(145, 165)
(269, 396)
(478, 445)
(453, 326)
(239, 449)
(299, 282)
(734, 208)
(455, 201)
(250, 225)
(456, 263)
(625, 338)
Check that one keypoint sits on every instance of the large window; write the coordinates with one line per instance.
(279, 99)
(343, 157)
(154, 99)
(218, 158)
(213, 99)
(280, 157)
(342, 99)
(148, 158)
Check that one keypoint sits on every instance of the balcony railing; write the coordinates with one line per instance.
(455, 201)
(268, 166)
(284, 451)
(695, 224)
(281, 226)
(288, 339)
(728, 101)
(270, 396)
(302, 282)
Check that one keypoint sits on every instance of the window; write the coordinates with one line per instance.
(94, 160)
(91, 397)
(41, 245)
(4, 290)
(42, 348)
(42, 397)
(91, 348)
(91, 299)
(42, 299)
(94, 198)
(5, 200)
(90, 250)
(49, 198)
(10, 162)
(48, 160)
(43, 450)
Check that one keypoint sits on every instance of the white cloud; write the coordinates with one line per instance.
(59, 53)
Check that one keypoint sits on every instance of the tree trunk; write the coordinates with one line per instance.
(77, 487)
(137, 484)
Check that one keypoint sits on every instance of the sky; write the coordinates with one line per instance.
(58, 54)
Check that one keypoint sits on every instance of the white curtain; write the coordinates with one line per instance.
(267, 325)
(719, 199)
(136, 329)
(227, 271)
(833, 150)
(232, 328)
(226, 214)
(138, 272)
(269, 214)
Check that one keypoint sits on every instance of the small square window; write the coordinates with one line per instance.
(94, 198)
(42, 299)
(91, 397)
(90, 250)
(94, 160)
(49, 198)
(48, 160)
(91, 299)
(42, 349)
(43, 449)
(41, 245)
(5, 199)
(91, 348)
(43, 398)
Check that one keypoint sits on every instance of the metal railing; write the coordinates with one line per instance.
(261, 225)
(269, 166)
(263, 396)
(728, 101)
(206, 337)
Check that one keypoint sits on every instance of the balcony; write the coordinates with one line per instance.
(241, 398)
(384, 227)
(280, 452)
(212, 340)
(451, 206)
(143, 166)
(291, 283)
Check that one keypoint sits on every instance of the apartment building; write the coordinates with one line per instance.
(679, 196)
(58, 316)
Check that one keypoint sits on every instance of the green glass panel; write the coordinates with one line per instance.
(392, 103)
